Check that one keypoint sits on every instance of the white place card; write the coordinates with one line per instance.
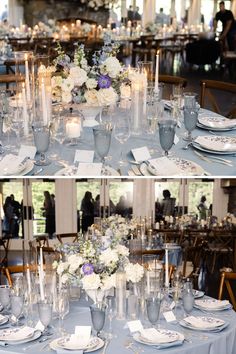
(169, 316)
(141, 154)
(84, 156)
(27, 151)
(82, 335)
(176, 139)
(135, 326)
(39, 326)
(89, 169)
(172, 305)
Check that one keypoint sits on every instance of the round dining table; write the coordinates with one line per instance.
(62, 155)
(223, 342)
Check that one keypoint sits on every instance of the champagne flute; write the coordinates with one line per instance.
(111, 313)
(62, 307)
(122, 132)
(167, 134)
(42, 140)
(102, 140)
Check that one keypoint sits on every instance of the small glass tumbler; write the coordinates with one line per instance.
(45, 314)
(42, 140)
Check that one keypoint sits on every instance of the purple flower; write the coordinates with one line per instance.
(104, 81)
(87, 268)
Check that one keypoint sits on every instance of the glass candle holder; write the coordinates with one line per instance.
(73, 128)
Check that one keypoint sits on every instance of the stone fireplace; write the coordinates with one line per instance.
(43, 10)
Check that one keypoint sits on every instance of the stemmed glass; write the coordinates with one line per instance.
(111, 313)
(98, 314)
(45, 313)
(41, 139)
(122, 131)
(102, 140)
(153, 305)
(62, 307)
(17, 304)
(190, 121)
(5, 297)
(167, 134)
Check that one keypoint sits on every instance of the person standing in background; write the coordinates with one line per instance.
(228, 34)
(87, 207)
(202, 208)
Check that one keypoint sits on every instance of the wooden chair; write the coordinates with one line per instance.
(225, 279)
(73, 235)
(173, 80)
(7, 79)
(10, 270)
(207, 97)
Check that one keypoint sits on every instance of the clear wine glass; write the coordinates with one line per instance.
(122, 131)
(5, 297)
(45, 313)
(190, 121)
(17, 303)
(153, 305)
(102, 140)
(42, 140)
(98, 315)
(111, 313)
(167, 134)
(62, 307)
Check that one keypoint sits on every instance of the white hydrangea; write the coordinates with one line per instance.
(91, 84)
(91, 281)
(62, 267)
(134, 272)
(122, 250)
(91, 97)
(67, 84)
(75, 262)
(108, 256)
(107, 96)
(112, 67)
(66, 97)
(78, 75)
(109, 282)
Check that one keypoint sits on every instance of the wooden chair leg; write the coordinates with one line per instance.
(222, 279)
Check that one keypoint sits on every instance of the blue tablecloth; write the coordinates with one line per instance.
(197, 342)
(63, 154)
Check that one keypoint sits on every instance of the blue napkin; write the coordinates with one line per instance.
(66, 351)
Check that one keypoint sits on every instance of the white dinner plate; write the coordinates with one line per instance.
(188, 168)
(199, 125)
(55, 344)
(3, 319)
(217, 143)
(29, 165)
(212, 305)
(35, 336)
(216, 123)
(138, 338)
(208, 323)
(199, 147)
(16, 334)
(67, 171)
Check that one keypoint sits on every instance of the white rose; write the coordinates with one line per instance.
(134, 272)
(122, 250)
(91, 97)
(62, 267)
(91, 84)
(66, 97)
(78, 75)
(64, 278)
(67, 84)
(113, 67)
(91, 281)
(56, 81)
(107, 96)
(108, 256)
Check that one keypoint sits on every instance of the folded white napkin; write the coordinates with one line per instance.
(165, 167)
(16, 334)
(11, 165)
(159, 336)
(212, 303)
(217, 143)
(65, 351)
(204, 322)
(2, 317)
(74, 342)
(89, 169)
(217, 122)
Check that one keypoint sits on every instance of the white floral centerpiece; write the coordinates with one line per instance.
(98, 84)
(95, 267)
